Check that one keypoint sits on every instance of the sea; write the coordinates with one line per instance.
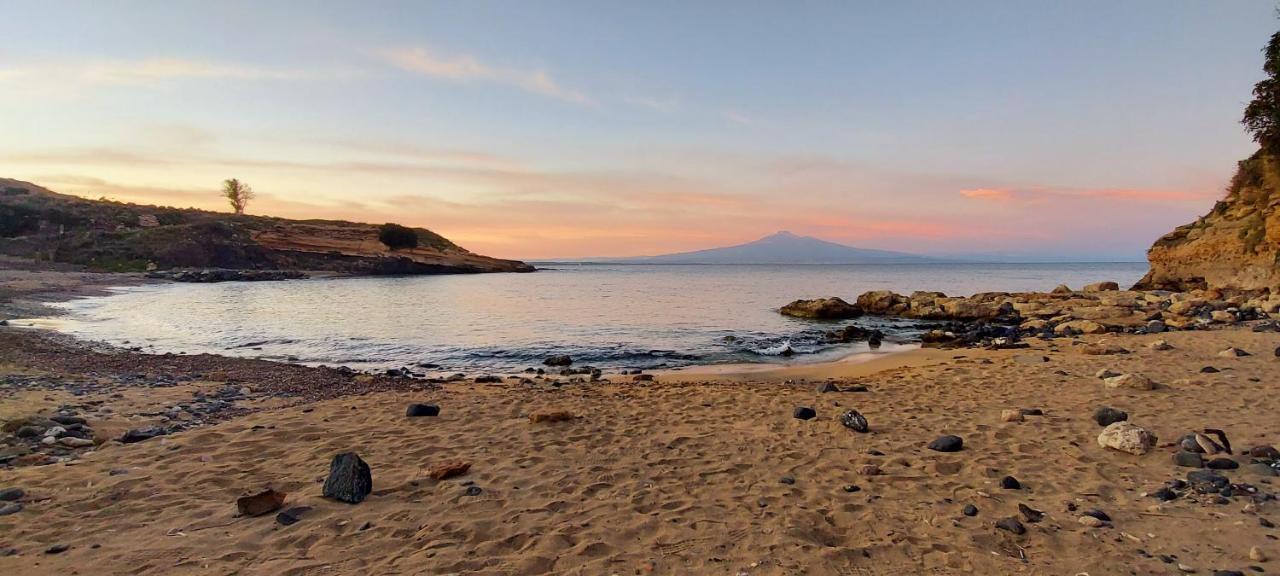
(611, 316)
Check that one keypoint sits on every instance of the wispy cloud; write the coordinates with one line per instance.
(466, 68)
(656, 104)
(1037, 195)
(148, 71)
(738, 117)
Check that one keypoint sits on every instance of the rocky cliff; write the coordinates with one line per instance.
(1234, 247)
(40, 224)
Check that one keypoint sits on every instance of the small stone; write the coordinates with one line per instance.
(1209, 370)
(350, 479)
(1011, 524)
(1096, 513)
(473, 491)
(57, 549)
(551, 416)
(1010, 483)
(1091, 522)
(1188, 459)
(1105, 373)
(449, 470)
(10, 508)
(1165, 494)
(1032, 412)
(851, 488)
(1265, 452)
(558, 361)
(788, 480)
(804, 413)
(826, 387)
(970, 510)
(140, 434)
(855, 421)
(1129, 382)
(292, 515)
(261, 503)
(1011, 416)
(1206, 481)
(948, 443)
(73, 442)
(418, 410)
(12, 494)
(1160, 345)
(869, 470)
(1126, 437)
(1031, 514)
(1106, 416)
(1222, 464)
(1233, 352)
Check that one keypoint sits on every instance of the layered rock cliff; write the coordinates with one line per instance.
(1235, 247)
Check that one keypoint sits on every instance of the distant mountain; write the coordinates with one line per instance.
(783, 248)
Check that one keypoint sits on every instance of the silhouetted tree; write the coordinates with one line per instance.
(237, 193)
(396, 236)
(1262, 115)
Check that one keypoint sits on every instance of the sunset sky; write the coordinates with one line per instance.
(551, 129)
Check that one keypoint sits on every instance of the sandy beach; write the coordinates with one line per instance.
(686, 474)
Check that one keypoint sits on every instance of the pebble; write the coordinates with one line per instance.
(1096, 513)
(1222, 464)
(855, 421)
(1010, 483)
(851, 488)
(970, 510)
(1011, 416)
(11, 494)
(473, 491)
(1188, 459)
(948, 443)
(1106, 416)
(869, 470)
(1256, 554)
(1031, 514)
(1091, 522)
(826, 387)
(788, 480)
(350, 479)
(57, 549)
(292, 515)
(804, 413)
(1011, 524)
(10, 508)
(417, 410)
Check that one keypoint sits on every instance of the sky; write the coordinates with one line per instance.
(557, 129)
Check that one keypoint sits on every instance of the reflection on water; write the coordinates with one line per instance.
(606, 315)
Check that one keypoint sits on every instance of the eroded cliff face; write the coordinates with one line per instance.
(1234, 247)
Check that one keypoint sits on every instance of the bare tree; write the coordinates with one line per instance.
(237, 193)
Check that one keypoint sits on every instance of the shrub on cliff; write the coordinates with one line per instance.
(397, 237)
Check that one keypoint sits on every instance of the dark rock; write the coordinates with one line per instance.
(1227, 573)
(804, 413)
(826, 387)
(67, 420)
(1265, 452)
(1010, 483)
(140, 434)
(822, 309)
(851, 488)
(948, 443)
(1031, 514)
(970, 510)
(1205, 481)
(558, 361)
(488, 380)
(1165, 494)
(10, 508)
(1106, 416)
(1032, 412)
(1265, 523)
(473, 491)
(350, 479)
(1209, 370)
(788, 480)
(1188, 459)
(57, 549)
(292, 515)
(855, 421)
(12, 494)
(416, 410)
(1011, 524)
(1222, 464)
(29, 432)
(1096, 513)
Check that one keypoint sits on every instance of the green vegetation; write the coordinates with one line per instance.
(1262, 115)
(397, 237)
(237, 193)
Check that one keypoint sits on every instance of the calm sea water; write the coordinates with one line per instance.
(611, 316)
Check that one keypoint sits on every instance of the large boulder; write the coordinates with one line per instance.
(1129, 382)
(821, 309)
(1126, 437)
(1079, 327)
(884, 303)
(1101, 287)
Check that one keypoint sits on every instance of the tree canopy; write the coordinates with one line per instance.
(1262, 115)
